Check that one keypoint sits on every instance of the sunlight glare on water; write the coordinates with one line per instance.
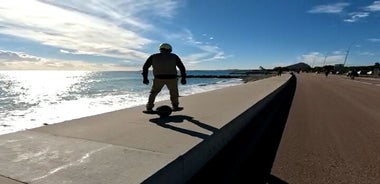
(34, 87)
(29, 98)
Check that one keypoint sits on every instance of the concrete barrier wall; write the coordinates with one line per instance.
(244, 149)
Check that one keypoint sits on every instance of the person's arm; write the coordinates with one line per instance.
(146, 66)
(182, 69)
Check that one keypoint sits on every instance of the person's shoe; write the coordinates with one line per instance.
(176, 108)
(149, 109)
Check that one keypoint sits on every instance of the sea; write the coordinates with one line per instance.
(30, 99)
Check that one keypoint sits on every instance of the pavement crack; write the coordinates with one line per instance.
(9, 178)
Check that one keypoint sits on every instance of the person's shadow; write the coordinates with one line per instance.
(164, 122)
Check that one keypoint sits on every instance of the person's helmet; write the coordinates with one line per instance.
(165, 46)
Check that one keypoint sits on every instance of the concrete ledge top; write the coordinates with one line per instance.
(124, 146)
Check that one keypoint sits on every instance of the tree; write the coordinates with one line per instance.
(377, 65)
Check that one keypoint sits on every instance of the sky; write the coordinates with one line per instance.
(205, 34)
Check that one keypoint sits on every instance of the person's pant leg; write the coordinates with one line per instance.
(156, 88)
(172, 85)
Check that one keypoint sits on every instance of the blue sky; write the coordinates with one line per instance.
(206, 34)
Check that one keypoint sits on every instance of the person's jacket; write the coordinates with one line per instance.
(164, 66)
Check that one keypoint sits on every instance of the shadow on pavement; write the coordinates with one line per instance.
(275, 180)
(167, 122)
(249, 157)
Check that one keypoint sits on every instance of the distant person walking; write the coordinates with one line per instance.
(164, 66)
(327, 72)
(279, 71)
(353, 74)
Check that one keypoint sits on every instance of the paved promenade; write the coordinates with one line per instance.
(333, 132)
(128, 146)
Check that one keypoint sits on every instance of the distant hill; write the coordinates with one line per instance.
(299, 66)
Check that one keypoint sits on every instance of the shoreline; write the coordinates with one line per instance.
(9, 127)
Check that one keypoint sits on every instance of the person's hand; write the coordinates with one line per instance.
(183, 81)
(146, 81)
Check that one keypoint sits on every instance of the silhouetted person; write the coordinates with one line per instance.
(327, 72)
(354, 74)
(164, 66)
(279, 71)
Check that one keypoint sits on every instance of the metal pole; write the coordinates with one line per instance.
(348, 51)
(324, 63)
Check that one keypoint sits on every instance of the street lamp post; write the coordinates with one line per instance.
(348, 51)
(324, 62)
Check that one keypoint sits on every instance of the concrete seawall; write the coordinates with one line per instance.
(246, 131)
(127, 146)
(249, 156)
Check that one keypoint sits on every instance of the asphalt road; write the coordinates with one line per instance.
(332, 134)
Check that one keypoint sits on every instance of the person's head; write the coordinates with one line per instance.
(165, 47)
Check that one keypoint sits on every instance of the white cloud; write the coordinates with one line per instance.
(110, 28)
(129, 12)
(366, 53)
(338, 52)
(9, 56)
(195, 58)
(355, 16)
(335, 59)
(319, 59)
(338, 8)
(329, 8)
(207, 52)
(20, 61)
(376, 40)
(107, 28)
(312, 58)
(375, 6)
(63, 65)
